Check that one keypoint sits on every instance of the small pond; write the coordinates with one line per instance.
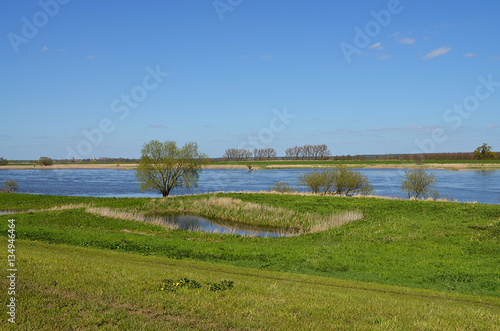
(196, 223)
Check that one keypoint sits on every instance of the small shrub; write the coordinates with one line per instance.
(340, 181)
(222, 285)
(3, 161)
(418, 183)
(281, 186)
(314, 180)
(10, 186)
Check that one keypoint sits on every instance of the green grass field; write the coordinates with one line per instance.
(404, 265)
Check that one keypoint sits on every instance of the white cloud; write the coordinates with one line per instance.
(45, 48)
(406, 40)
(470, 54)
(437, 52)
(496, 57)
(377, 46)
(90, 57)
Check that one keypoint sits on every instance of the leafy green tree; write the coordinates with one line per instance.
(418, 183)
(484, 152)
(11, 186)
(3, 161)
(45, 161)
(163, 166)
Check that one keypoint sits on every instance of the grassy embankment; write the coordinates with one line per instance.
(406, 264)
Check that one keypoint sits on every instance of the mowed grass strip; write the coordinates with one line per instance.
(62, 287)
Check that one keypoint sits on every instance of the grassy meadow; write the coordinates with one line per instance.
(400, 264)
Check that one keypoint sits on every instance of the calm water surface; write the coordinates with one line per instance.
(190, 222)
(480, 186)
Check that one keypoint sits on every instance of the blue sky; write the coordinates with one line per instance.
(101, 78)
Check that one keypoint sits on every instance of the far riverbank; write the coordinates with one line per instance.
(288, 164)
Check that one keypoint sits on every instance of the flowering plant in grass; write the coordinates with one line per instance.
(171, 285)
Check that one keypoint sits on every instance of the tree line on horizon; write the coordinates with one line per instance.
(306, 152)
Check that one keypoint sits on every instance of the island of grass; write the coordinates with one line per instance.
(402, 265)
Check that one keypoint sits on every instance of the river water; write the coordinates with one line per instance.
(463, 186)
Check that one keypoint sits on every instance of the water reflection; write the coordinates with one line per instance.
(196, 223)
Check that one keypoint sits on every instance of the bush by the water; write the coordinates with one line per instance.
(281, 186)
(339, 181)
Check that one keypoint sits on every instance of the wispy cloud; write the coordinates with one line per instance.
(437, 52)
(377, 46)
(267, 57)
(406, 40)
(341, 131)
(470, 54)
(383, 56)
(409, 128)
(496, 57)
(90, 57)
(492, 126)
(40, 137)
(46, 49)
(403, 40)
(157, 126)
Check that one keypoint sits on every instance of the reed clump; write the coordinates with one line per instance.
(130, 216)
(238, 211)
